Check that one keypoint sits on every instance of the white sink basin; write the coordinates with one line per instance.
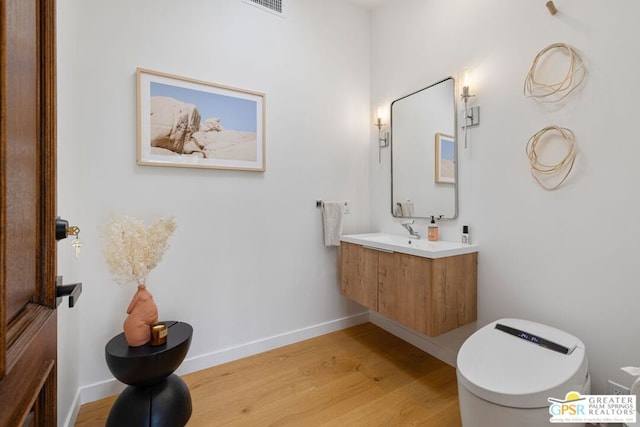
(406, 245)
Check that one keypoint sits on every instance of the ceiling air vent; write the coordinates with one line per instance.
(274, 6)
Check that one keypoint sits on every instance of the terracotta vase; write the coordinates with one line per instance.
(143, 313)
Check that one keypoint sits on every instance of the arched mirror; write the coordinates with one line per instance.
(424, 156)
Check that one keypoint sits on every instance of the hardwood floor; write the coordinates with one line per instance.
(361, 376)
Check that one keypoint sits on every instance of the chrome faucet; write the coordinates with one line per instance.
(410, 229)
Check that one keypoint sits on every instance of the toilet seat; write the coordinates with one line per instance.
(514, 370)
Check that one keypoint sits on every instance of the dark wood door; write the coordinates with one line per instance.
(27, 213)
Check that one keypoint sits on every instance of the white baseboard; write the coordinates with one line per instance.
(70, 420)
(445, 347)
(91, 393)
(96, 391)
(219, 357)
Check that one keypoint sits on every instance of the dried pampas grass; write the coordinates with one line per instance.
(132, 249)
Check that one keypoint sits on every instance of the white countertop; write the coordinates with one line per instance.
(403, 244)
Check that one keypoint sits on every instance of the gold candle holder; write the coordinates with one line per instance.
(159, 334)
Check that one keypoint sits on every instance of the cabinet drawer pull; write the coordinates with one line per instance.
(378, 249)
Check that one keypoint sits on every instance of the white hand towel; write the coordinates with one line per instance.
(332, 222)
(405, 209)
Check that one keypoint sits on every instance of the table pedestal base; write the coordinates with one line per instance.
(165, 404)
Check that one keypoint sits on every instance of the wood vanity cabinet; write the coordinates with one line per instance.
(432, 296)
(359, 274)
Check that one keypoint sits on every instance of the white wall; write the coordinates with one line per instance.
(247, 261)
(569, 257)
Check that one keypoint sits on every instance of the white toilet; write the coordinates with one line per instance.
(508, 369)
(635, 390)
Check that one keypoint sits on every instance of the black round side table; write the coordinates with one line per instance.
(155, 395)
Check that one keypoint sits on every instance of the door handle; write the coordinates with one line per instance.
(72, 291)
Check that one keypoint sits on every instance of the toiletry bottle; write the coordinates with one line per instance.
(465, 234)
(432, 230)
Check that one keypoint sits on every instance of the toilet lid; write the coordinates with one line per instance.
(520, 364)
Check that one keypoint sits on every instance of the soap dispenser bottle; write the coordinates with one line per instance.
(432, 230)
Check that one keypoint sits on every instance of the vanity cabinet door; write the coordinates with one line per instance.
(359, 274)
(405, 289)
(432, 296)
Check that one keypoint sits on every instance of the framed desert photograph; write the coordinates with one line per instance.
(445, 159)
(184, 122)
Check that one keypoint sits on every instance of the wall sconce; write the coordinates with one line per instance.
(383, 137)
(471, 116)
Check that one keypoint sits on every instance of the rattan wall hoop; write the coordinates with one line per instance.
(557, 91)
(539, 169)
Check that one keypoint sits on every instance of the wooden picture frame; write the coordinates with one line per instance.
(184, 122)
(445, 165)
